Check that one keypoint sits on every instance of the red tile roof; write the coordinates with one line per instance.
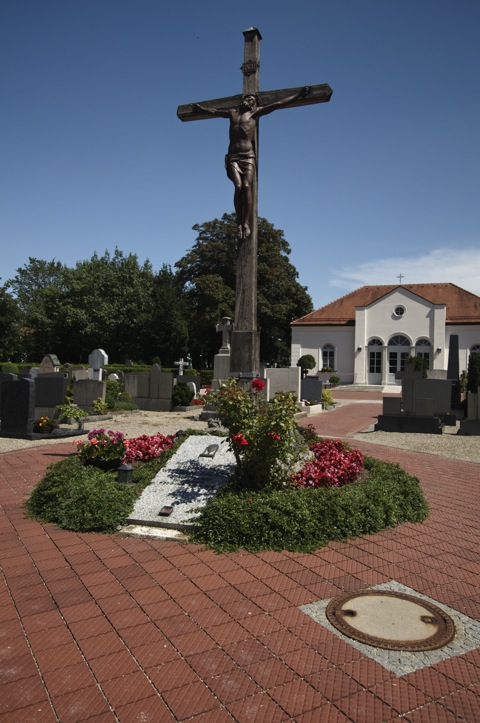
(463, 307)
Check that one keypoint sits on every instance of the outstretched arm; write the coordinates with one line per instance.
(265, 109)
(216, 112)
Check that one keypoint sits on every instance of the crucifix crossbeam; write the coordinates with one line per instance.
(244, 112)
(318, 94)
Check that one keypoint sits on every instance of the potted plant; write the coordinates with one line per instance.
(103, 449)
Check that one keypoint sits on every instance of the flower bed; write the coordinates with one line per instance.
(334, 465)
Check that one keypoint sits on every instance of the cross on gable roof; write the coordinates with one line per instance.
(463, 307)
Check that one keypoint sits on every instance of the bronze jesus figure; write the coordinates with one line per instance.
(241, 158)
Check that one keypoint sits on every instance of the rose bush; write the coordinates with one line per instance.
(263, 435)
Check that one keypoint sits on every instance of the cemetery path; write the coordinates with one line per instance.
(110, 628)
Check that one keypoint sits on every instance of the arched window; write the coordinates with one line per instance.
(399, 340)
(328, 356)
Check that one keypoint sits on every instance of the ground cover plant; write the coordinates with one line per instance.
(302, 519)
(282, 497)
(78, 495)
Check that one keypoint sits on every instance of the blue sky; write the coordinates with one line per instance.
(383, 180)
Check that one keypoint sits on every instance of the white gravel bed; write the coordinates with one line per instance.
(186, 482)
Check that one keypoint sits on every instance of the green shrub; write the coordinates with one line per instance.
(125, 406)
(420, 364)
(86, 499)
(99, 406)
(182, 395)
(9, 368)
(306, 362)
(66, 411)
(334, 380)
(306, 519)
(327, 398)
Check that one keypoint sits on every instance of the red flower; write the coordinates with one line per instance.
(274, 435)
(239, 440)
(258, 385)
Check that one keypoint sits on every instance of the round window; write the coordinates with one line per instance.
(399, 311)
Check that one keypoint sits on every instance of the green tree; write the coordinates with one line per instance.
(104, 302)
(10, 340)
(38, 288)
(207, 273)
(168, 329)
(107, 305)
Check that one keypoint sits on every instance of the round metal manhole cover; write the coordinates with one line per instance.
(391, 620)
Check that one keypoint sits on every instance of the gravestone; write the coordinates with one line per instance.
(50, 363)
(50, 390)
(283, 380)
(97, 359)
(152, 390)
(453, 372)
(311, 389)
(155, 381)
(4, 377)
(18, 408)
(424, 406)
(221, 361)
(192, 379)
(87, 391)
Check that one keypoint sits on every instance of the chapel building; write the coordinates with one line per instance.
(366, 336)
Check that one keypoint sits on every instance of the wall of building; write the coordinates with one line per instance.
(311, 339)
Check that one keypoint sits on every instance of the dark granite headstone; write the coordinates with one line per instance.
(5, 378)
(453, 371)
(50, 389)
(311, 389)
(18, 407)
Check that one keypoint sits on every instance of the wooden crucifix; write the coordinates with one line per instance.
(241, 161)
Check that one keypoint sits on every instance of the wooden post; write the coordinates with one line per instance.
(245, 337)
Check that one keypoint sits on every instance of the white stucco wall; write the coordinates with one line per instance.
(468, 336)
(421, 319)
(311, 339)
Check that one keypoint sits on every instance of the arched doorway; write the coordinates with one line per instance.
(375, 349)
(398, 352)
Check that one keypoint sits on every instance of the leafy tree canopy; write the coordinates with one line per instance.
(207, 273)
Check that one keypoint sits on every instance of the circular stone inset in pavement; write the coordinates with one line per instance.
(391, 620)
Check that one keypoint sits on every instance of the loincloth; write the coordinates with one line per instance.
(244, 163)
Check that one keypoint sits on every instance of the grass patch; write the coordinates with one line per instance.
(303, 520)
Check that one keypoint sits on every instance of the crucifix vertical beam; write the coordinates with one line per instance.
(244, 112)
(245, 339)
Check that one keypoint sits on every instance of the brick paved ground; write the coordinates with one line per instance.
(107, 628)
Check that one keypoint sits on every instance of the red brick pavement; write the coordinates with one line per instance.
(109, 628)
